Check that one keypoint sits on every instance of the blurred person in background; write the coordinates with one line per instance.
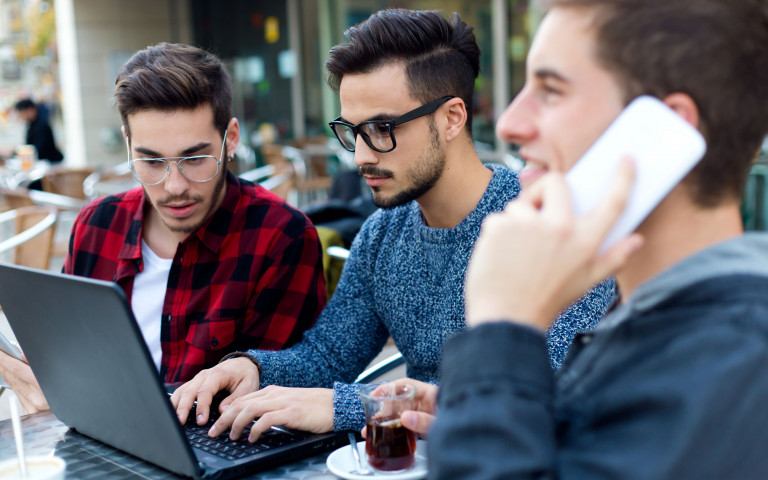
(39, 132)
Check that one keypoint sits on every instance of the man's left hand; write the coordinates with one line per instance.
(18, 375)
(308, 409)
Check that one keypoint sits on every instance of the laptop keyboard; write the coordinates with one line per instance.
(223, 447)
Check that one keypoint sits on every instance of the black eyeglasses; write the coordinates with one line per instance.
(379, 134)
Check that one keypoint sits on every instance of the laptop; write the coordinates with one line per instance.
(88, 354)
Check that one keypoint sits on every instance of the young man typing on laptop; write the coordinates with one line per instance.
(405, 81)
(211, 263)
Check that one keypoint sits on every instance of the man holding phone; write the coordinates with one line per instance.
(670, 385)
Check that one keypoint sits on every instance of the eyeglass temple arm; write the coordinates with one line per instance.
(425, 109)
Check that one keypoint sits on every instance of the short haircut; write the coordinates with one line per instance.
(172, 77)
(440, 55)
(24, 104)
(716, 51)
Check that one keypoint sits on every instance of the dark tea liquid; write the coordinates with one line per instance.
(390, 446)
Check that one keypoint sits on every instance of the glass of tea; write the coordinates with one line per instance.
(389, 445)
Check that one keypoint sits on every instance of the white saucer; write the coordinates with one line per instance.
(341, 464)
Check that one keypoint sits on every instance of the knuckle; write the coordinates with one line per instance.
(561, 228)
(292, 410)
(269, 418)
(493, 220)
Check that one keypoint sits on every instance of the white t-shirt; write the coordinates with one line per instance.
(147, 299)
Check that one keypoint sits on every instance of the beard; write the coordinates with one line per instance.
(221, 182)
(423, 175)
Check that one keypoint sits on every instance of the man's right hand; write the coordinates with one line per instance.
(22, 381)
(239, 376)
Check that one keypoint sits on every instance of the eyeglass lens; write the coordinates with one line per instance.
(375, 134)
(199, 168)
(151, 171)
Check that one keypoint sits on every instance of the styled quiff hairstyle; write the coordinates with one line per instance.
(716, 51)
(171, 76)
(440, 55)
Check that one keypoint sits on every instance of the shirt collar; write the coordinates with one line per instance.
(215, 229)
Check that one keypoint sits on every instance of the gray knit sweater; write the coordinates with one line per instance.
(406, 280)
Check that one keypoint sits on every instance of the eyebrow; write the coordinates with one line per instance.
(548, 73)
(185, 153)
(382, 117)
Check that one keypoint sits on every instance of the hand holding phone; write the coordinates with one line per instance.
(665, 148)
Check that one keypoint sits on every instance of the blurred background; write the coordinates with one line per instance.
(66, 54)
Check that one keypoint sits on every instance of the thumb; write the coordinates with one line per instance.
(418, 422)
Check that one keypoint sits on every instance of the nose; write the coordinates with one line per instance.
(175, 183)
(516, 124)
(364, 155)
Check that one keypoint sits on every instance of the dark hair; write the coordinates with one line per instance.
(24, 104)
(170, 77)
(441, 56)
(715, 51)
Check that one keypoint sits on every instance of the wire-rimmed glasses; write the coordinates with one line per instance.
(197, 168)
(379, 134)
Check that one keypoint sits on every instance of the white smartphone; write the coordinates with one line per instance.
(665, 148)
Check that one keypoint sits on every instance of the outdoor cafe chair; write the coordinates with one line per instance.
(31, 244)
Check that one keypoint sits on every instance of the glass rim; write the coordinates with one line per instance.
(408, 393)
(168, 168)
(177, 162)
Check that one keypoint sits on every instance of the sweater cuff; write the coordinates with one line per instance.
(348, 411)
(495, 353)
(246, 355)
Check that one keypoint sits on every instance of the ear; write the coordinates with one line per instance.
(233, 137)
(456, 116)
(683, 105)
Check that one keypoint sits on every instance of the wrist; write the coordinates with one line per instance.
(246, 355)
(490, 313)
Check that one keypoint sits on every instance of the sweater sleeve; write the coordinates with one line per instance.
(348, 411)
(583, 315)
(347, 335)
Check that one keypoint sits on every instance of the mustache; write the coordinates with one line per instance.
(373, 171)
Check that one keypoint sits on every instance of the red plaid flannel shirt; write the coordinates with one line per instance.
(250, 277)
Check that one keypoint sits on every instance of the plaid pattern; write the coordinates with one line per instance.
(250, 277)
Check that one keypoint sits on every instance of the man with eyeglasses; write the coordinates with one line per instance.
(406, 81)
(211, 263)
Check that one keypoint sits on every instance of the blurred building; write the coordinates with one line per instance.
(275, 50)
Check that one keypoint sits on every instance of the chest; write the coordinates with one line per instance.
(418, 293)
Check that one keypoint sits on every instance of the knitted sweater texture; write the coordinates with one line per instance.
(405, 280)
